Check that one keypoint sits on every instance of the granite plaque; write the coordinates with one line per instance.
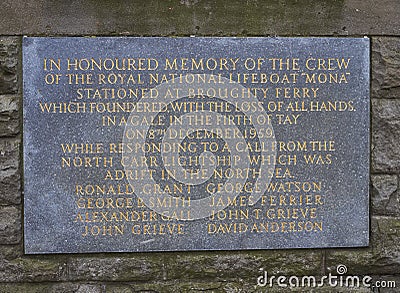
(164, 144)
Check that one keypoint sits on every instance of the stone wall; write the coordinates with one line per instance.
(231, 271)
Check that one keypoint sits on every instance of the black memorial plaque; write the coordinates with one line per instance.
(163, 144)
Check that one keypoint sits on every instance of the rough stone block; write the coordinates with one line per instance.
(10, 185)
(10, 225)
(51, 288)
(385, 135)
(382, 257)
(118, 268)
(167, 287)
(10, 252)
(242, 265)
(9, 153)
(23, 288)
(33, 269)
(385, 195)
(9, 62)
(206, 17)
(9, 115)
(224, 287)
(76, 288)
(10, 191)
(385, 67)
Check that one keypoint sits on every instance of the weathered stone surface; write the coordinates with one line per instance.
(224, 287)
(119, 268)
(242, 265)
(23, 288)
(10, 185)
(385, 195)
(382, 257)
(167, 287)
(9, 153)
(51, 288)
(207, 17)
(10, 252)
(385, 135)
(33, 269)
(10, 225)
(9, 60)
(9, 115)
(385, 67)
(87, 289)
(76, 288)
(185, 286)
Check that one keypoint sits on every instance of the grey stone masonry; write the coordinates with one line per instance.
(200, 17)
